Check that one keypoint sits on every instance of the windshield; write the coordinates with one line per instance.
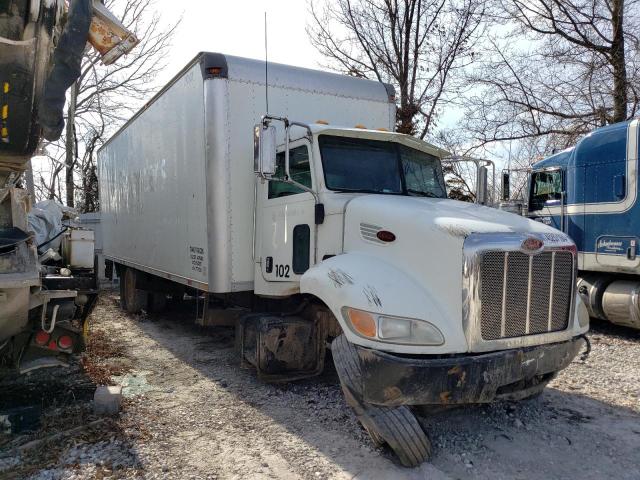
(545, 187)
(373, 166)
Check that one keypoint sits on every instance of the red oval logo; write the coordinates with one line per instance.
(385, 236)
(532, 244)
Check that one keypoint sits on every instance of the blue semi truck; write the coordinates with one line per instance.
(590, 192)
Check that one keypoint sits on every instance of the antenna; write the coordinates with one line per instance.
(266, 64)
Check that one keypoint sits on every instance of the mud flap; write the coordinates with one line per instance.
(281, 348)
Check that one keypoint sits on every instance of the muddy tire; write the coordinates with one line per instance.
(347, 363)
(400, 430)
(377, 440)
(133, 300)
(396, 427)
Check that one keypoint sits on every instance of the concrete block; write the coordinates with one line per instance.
(107, 400)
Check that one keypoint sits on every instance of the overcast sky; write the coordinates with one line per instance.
(236, 27)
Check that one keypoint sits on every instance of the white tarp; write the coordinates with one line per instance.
(45, 220)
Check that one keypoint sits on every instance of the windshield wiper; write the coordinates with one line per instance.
(420, 193)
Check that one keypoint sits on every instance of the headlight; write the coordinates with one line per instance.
(392, 329)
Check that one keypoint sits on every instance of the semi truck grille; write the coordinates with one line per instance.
(524, 294)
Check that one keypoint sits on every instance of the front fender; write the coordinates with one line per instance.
(368, 283)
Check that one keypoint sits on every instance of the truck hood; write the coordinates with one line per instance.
(428, 252)
(455, 218)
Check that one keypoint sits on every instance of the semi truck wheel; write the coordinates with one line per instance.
(133, 299)
(399, 429)
(396, 427)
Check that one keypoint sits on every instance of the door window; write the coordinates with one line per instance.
(545, 187)
(300, 171)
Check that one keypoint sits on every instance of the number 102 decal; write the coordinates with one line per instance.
(282, 271)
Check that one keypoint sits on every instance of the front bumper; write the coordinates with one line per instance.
(392, 380)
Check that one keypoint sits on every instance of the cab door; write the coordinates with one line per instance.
(545, 197)
(285, 223)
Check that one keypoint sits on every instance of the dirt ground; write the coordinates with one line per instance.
(191, 413)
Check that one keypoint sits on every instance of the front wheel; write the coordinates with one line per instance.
(396, 427)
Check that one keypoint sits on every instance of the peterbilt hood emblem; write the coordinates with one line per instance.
(531, 244)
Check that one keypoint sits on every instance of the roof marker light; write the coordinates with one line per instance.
(360, 126)
(322, 122)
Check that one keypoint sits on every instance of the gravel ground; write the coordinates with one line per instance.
(192, 413)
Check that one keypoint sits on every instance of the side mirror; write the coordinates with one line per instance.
(506, 186)
(482, 190)
(264, 150)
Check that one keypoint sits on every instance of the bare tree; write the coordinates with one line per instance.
(420, 46)
(562, 68)
(103, 98)
(460, 177)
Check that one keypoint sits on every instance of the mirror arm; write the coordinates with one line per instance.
(478, 162)
(287, 175)
(267, 118)
(302, 187)
(287, 124)
(305, 126)
(287, 139)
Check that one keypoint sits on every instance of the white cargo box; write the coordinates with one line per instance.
(177, 181)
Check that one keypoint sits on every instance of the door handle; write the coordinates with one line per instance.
(632, 250)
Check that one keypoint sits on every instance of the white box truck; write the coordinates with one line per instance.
(334, 235)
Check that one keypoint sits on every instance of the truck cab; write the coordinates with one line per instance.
(590, 193)
(401, 267)
(359, 221)
(388, 241)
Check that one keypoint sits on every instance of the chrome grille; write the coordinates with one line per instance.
(492, 275)
(523, 294)
(516, 294)
(563, 274)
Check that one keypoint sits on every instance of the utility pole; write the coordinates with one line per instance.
(70, 144)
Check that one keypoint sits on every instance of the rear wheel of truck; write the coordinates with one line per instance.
(133, 299)
(396, 427)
